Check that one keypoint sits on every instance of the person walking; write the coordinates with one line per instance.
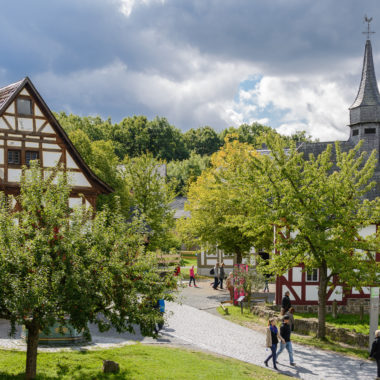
(272, 339)
(375, 351)
(290, 314)
(285, 332)
(221, 275)
(192, 277)
(285, 304)
(216, 276)
(266, 286)
(230, 286)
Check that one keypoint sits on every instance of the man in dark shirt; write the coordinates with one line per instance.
(285, 304)
(285, 332)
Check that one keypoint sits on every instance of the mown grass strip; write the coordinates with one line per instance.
(137, 362)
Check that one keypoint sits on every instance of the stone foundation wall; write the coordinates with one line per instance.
(352, 307)
(310, 325)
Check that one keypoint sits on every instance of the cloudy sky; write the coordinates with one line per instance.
(291, 64)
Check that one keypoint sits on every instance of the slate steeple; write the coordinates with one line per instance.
(365, 111)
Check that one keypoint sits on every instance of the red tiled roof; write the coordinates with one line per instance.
(8, 91)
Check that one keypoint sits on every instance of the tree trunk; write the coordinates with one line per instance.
(322, 301)
(239, 257)
(31, 352)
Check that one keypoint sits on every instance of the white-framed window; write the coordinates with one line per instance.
(312, 275)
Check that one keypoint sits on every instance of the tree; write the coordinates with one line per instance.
(214, 201)
(151, 196)
(61, 265)
(203, 141)
(318, 208)
(185, 172)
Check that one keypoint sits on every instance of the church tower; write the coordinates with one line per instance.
(365, 111)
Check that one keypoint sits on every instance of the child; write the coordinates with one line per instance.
(192, 276)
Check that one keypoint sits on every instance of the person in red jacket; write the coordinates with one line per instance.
(192, 276)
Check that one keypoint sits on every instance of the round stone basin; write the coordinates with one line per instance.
(67, 335)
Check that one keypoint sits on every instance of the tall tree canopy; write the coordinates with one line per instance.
(318, 208)
(213, 201)
(61, 265)
(151, 196)
(203, 141)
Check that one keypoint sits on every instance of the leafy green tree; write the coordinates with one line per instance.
(95, 127)
(136, 135)
(203, 141)
(151, 196)
(61, 265)
(101, 158)
(318, 208)
(185, 172)
(213, 202)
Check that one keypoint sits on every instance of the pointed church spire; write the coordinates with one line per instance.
(368, 94)
(366, 107)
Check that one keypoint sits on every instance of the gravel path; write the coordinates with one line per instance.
(215, 334)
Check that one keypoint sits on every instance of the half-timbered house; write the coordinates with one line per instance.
(29, 131)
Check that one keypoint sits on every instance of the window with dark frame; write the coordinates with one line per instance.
(14, 157)
(24, 106)
(355, 132)
(31, 155)
(368, 131)
(312, 275)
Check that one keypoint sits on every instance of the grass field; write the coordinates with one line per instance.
(137, 362)
(351, 322)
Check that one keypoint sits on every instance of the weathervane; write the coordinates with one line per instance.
(368, 32)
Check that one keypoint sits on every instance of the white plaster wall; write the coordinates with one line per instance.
(47, 129)
(39, 123)
(79, 179)
(14, 175)
(228, 262)
(286, 275)
(211, 261)
(12, 143)
(70, 163)
(297, 274)
(11, 121)
(355, 291)
(366, 289)
(51, 158)
(3, 124)
(51, 146)
(75, 202)
(298, 290)
(1, 156)
(29, 144)
(37, 111)
(25, 124)
(1, 173)
(11, 108)
(337, 294)
(312, 293)
(24, 92)
(369, 230)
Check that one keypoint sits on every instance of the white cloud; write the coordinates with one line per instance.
(316, 104)
(127, 6)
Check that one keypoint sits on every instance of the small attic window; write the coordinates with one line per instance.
(24, 106)
(368, 131)
(355, 132)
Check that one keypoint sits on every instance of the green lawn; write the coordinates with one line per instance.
(351, 322)
(246, 318)
(137, 362)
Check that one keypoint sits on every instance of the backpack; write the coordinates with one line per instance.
(212, 271)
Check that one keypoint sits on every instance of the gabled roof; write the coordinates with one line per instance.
(368, 94)
(7, 96)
